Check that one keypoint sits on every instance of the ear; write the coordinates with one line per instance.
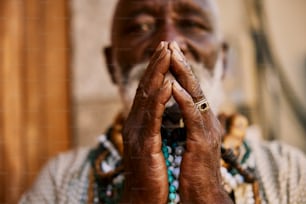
(224, 58)
(109, 59)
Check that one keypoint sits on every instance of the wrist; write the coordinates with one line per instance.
(211, 195)
(218, 195)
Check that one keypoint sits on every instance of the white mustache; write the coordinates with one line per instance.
(210, 82)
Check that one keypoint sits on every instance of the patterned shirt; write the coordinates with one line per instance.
(281, 170)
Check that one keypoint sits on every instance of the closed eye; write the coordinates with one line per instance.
(192, 26)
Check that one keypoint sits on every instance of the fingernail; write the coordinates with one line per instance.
(166, 83)
(177, 54)
(160, 46)
(169, 76)
(176, 46)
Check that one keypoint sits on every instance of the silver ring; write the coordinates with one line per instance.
(202, 105)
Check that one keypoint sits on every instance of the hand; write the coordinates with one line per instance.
(200, 179)
(146, 171)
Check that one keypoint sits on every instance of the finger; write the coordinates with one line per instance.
(183, 73)
(156, 70)
(152, 79)
(153, 118)
(191, 115)
(200, 127)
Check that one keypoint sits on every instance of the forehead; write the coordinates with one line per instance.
(128, 8)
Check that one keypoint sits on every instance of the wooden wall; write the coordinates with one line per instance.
(34, 90)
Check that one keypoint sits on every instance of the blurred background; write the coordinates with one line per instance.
(55, 92)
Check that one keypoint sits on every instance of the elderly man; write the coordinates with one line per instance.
(168, 59)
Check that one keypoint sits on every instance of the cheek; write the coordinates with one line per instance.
(207, 49)
(211, 84)
(127, 97)
(129, 93)
(130, 54)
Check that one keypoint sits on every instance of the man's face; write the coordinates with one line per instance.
(140, 25)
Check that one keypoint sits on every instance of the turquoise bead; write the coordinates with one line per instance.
(174, 145)
(168, 163)
(165, 149)
(172, 196)
(172, 189)
(170, 179)
(169, 172)
(166, 154)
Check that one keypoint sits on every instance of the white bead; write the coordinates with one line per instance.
(169, 149)
(171, 168)
(107, 144)
(114, 153)
(175, 183)
(177, 198)
(233, 183)
(178, 160)
(176, 172)
(223, 170)
(96, 199)
(102, 138)
(239, 178)
(228, 177)
(249, 193)
(170, 158)
(109, 193)
(250, 201)
(227, 188)
(106, 167)
(179, 150)
(118, 179)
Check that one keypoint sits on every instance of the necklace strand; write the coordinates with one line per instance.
(109, 168)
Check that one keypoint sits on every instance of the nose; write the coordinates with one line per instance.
(168, 32)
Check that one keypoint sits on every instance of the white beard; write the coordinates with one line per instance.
(210, 82)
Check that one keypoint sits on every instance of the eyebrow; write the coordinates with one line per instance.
(185, 7)
(140, 7)
(180, 7)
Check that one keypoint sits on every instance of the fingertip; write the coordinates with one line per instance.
(160, 46)
(177, 58)
(167, 83)
(173, 45)
(176, 86)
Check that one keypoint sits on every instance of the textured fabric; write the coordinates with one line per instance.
(280, 168)
(282, 172)
(63, 180)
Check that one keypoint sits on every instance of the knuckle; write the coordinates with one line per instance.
(141, 92)
(197, 91)
(148, 114)
(189, 102)
(214, 139)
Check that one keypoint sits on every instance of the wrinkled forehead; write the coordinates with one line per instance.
(125, 5)
(128, 8)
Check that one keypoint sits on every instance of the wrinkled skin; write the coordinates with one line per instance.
(139, 27)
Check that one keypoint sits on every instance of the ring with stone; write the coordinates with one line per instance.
(202, 105)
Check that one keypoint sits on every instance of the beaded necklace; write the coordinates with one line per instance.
(173, 151)
(106, 178)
